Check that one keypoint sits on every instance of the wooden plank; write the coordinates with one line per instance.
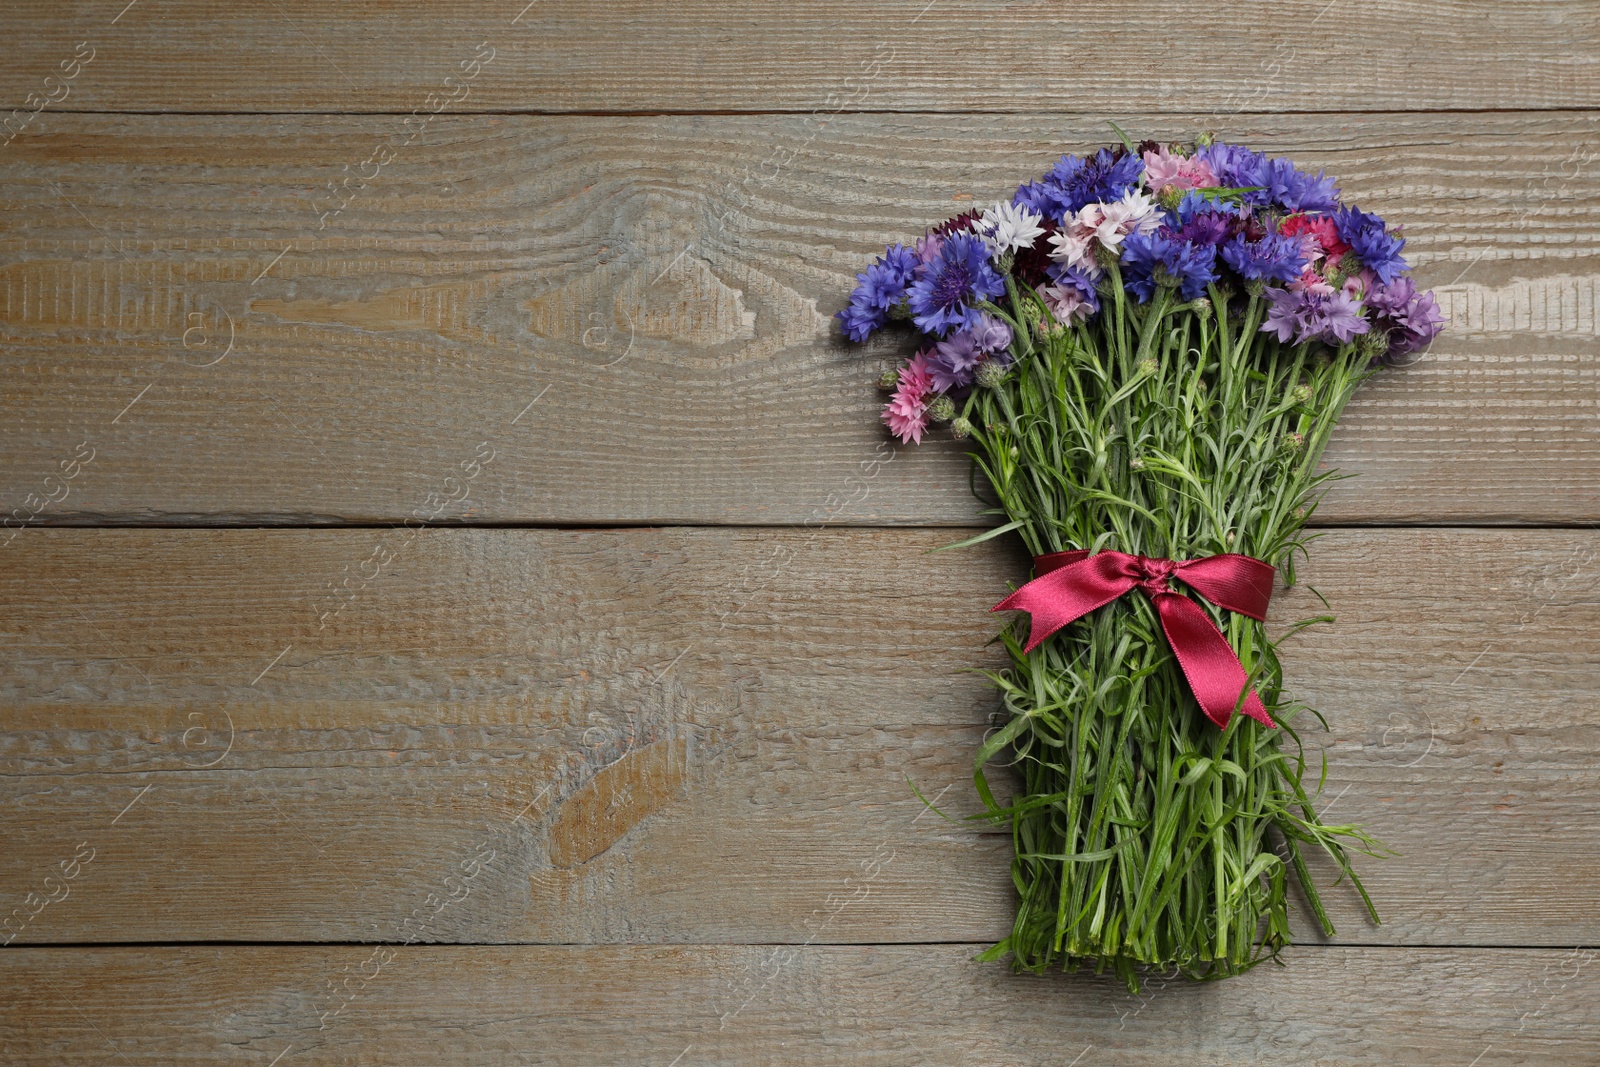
(701, 1005)
(374, 56)
(636, 722)
(634, 315)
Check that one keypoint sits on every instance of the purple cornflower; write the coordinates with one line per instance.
(882, 286)
(1273, 258)
(953, 360)
(1102, 177)
(1209, 228)
(958, 276)
(990, 334)
(1412, 319)
(1157, 260)
(1237, 167)
(1366, 235)
(1305, 315)
(1201, 220)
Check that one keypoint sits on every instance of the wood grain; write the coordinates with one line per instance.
(697, 1005)
(635, 314)
(706, 735)
(634, 55)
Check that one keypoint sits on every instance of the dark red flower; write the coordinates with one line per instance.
(1031, 264)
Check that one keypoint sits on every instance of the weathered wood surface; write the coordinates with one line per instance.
(644, 792)
(660, 291)
(637, 55)
(696, 1005)
(705, 735)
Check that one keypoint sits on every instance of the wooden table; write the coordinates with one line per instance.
(461, 607)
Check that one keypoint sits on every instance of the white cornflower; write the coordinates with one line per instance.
(1142, 213)
(1103, 224)
(1009, 227)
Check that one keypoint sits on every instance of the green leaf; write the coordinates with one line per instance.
(979, 539)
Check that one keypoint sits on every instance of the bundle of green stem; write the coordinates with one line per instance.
(1147, 838)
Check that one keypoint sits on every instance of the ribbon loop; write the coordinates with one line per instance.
(1069, 585)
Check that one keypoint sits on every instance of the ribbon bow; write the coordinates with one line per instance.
(1072, 584)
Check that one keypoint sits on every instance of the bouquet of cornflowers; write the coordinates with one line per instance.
(1149, 348)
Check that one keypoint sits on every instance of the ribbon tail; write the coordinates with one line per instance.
(1215, 675)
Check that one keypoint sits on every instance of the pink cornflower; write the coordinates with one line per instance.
(1311, 282)
(1318, 235)
(906, 414)
(1163, 171)
(1066, 302)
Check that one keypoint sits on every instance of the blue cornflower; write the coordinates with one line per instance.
(882, 286)
(1160, 260)
(1101, 177)
(944, 294)
(1273, 258)
(1378, 249)
(1294, 190)
(1042, 197)
(1195, 202)
(859, 322)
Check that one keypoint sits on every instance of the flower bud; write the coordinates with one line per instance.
(1170, 197)
(1294, 442)
(1374, 344)
(1300, 394)
(961, 428)
(889, 379)
(1200, 305)
(1136, 463)
(990, 374)
(1204, 139)
(941, 409)
(1146, 367)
